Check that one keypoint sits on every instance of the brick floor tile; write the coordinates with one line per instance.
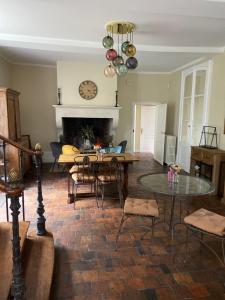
(86, 263)
(198, 290)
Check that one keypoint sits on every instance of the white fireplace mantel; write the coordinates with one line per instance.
(72, 111)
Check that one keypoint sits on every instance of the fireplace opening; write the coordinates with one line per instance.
(72, 128)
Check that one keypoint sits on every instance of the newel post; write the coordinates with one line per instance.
(40, 210)
(18, 284)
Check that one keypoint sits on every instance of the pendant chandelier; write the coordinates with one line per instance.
(121, 59)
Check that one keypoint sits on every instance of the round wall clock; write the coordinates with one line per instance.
(88, 89)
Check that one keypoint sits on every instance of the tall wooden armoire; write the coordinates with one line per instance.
(11, 129)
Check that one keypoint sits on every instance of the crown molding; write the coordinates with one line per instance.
(56, 44)
(191, 63)
(151, 73)
(16, 40)
(33, 65)
(176, 49)
(5, 58)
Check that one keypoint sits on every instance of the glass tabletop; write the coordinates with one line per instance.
(187, 185)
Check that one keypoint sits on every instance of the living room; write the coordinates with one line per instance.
(46, 57)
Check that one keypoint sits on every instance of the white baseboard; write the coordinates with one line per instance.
(47, 157)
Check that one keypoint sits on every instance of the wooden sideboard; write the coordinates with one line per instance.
(11, 129)
(210, 163)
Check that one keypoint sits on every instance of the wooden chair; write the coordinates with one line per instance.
(83, 173)
(115, 149)
(110, 173)
(206, 223)
(123, 144)
(56, 148)
(134, 207)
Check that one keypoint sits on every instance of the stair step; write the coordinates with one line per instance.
(6, 254)
(38, 263)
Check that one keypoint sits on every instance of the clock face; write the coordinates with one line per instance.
(88, 89)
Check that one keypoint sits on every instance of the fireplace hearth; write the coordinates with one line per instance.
(72, 128)
(105, 128)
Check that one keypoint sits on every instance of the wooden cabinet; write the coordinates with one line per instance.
(13, 155)
(210, 162)
(11, 129)
(10, 114)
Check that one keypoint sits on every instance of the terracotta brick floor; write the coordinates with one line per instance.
(88, 267)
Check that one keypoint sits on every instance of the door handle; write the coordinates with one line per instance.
(141, 130)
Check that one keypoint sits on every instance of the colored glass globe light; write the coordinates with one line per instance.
(118, 61)
(107, 42)
(121, 70)
(131, 50)
(124, 46)
(109, 71)
(111, 54)
(131, 63)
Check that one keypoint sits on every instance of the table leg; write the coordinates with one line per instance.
(70, 195)
(172, 215)
(125, 181)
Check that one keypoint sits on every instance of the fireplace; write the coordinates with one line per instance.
(104, 120)
(72, 128)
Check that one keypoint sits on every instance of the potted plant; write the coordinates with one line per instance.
(88, 135)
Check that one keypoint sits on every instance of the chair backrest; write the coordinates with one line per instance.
(112, 166)
(116, 149)
(56, 148)
(123, 144)
(85, 168)
(70, 150)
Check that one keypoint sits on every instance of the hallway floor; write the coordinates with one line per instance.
(87, 265)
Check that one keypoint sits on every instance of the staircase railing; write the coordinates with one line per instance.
(37, 155)
(11, 185)
(14, 191)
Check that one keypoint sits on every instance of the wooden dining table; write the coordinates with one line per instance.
(124, 158)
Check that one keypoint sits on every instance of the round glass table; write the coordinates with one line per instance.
(186, 186)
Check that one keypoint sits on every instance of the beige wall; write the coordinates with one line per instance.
(38, 88)
(137, 127)
(5, 73)
(69, 76)
(142, 88)
(216, 114)
(174, 103)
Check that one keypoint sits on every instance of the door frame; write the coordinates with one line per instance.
(133, 137)
(207, 65)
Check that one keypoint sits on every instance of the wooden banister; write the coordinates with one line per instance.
(18, 146)
(9, 190)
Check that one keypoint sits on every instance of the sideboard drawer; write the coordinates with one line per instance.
(207, 158)
(196, 154)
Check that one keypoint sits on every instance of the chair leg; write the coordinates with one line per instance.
(201, 244)
(97, 192)
(74, 191)
(23, 207)
(152, 227)
(103, 193)
(120, 229)
(186, 243)
(223, 251)
(120, 194)
(53, 165)
(164, 211)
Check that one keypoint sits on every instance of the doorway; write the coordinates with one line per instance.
(144, 133)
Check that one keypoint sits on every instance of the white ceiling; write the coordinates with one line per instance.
(169, 34)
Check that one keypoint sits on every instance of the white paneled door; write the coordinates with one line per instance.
(147, 128)
(193, 111)
(160, 131)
